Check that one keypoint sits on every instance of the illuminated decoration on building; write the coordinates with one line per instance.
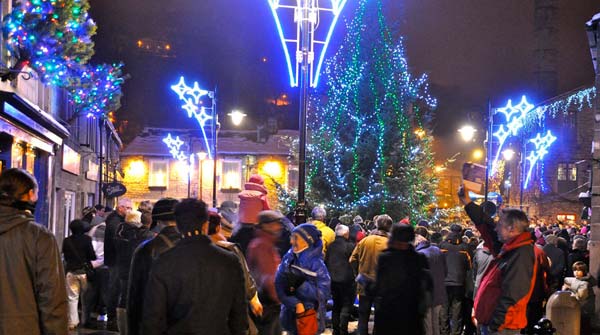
(541, 149)
(50, 36)
(578, 100)
(174, 145)
(515, 120)
(291, 37)
(191, 97)
(96, 90)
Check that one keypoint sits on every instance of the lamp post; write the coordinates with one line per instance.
(593, 33)
(310, 51)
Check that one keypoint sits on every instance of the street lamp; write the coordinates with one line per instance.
(508, 154)
(467, 133)
(236, 117)
(477, 154)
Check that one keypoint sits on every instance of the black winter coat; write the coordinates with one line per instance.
(78, 249)
(243, 236)
(195, 288)
(402, 280)
(32, 280)
(141, 263)
(458, 262)
(113, 220)
(337, 260)
(127, 239)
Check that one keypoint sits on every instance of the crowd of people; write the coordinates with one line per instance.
(180, 267)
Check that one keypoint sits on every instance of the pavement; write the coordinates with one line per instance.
(352, 326)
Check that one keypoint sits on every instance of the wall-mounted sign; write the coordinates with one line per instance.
(71, 160)
(112, 190)
(92, 171)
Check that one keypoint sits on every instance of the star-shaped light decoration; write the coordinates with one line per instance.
(174, 145)
(541, 149)
(515, 120)
(191, 98)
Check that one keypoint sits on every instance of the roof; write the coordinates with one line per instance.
(150, 142)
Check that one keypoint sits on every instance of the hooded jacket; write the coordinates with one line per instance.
(32, 284)
(253, 200)
(509, 281)
(314, 291)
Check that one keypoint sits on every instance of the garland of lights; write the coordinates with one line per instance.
(370, 152)
(96, 90)
(51, 36)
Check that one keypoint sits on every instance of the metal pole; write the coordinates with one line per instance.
(216, 127)
(489, 150)
(201, 181)
(521, 173)
(189, 172)
(300, 212)
(101, 161)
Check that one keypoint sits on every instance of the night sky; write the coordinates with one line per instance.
(472, 50)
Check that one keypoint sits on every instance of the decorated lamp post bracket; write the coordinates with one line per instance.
(291, 38)
(541, 149)
(191, 97)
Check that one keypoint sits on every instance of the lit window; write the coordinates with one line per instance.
(231, 170)
(159, 174)
(572, 170)
(562, 172)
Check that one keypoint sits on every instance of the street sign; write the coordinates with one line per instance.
(114, 189)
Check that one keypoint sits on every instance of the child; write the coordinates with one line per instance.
(581, 286)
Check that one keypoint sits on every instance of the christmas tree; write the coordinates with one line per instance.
(370, 148)
(51, 36)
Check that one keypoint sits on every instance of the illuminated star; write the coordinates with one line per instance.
(541, 149)
(180, 88)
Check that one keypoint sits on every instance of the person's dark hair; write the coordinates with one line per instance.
(402, 233)
(422, 231)
(190, 215)
(15, 183)
(515, 218)
(78, 227)
(108, 209)
(214, 220)
(580, 266)
(99, 207)
(384, 222)
(436, 238)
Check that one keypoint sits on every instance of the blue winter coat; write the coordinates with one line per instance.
(313, 293)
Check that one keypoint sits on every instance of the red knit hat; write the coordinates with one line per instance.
(257, 179)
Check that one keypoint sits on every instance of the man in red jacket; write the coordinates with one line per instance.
(507, 285)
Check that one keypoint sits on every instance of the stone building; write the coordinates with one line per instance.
(151, 171)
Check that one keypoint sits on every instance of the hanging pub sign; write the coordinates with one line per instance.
(114, 189)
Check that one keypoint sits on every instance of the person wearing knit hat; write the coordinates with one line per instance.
(87, 214)
(253, 200)
(163, 217)
(302, 280)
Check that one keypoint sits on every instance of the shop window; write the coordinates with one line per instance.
(159, 174)
(231, 172)
(18, 151)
